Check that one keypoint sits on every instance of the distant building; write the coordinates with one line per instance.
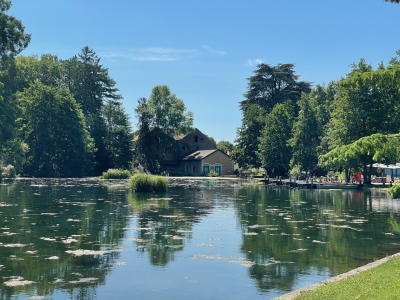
(194, 154)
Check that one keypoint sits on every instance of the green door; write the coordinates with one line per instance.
(206, 170)
(218, 170)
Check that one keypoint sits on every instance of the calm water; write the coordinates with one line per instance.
(83, 239)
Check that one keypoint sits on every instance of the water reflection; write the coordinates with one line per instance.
(202, 238)
(289, 233)
(45, 228)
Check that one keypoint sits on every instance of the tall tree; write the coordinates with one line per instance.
(246, 142)
(169, 113)
(225, 146)
(306, 136)
(274, 149)
(118, 138)
(13, 40)
(271, 85)
(367, 102)
(55, 150)
(92, 87)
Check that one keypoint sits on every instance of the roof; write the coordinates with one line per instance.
(199, 154)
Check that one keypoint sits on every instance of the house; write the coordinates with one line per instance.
(201, 162)
(193, 154)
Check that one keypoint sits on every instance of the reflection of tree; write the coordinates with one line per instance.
(165, 220)
(50, 217)
(325, 232)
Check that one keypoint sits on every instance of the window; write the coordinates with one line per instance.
(196, 139)
(194, 168)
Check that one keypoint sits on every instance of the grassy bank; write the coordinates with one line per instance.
(380, 282)
(148, 183)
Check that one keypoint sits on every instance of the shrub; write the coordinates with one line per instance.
(394, 191)
(212, 173)
(8, 172)
(147, 183)
(116, 174)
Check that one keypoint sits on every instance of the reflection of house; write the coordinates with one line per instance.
(192, 154)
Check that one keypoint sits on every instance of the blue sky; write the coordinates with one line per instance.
(205, 50)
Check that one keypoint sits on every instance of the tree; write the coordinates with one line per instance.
(367, 102)
(118, 138)
(393, 1)
(13, 38)
(274, 149)
(246, 143)
(272, 85)
(168, 112)
(225, 146)
(362, 153)
(55, 150)
(92, 87)
(306, 136)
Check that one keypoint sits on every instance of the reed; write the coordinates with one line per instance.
(147, 183)
(116, 174)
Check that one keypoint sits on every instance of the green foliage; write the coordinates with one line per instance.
(246, 143)
(225, 146)
(295, 171)
(393, 1)
(116, 174)
(8, 172)
(394, 191)
(363, 153)
(168, 112)
(147, 183)
(367, 102)
(12, 33)
(271, 85)
(274, 150)
(55, 150)
(306, 136)
(212, 173)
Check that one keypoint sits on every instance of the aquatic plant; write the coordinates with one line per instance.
(212, 173)
(147, 183)
(394, 191)
(116, 174)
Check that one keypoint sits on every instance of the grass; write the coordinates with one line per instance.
(381, 282)
(116, 174)
(148, 183)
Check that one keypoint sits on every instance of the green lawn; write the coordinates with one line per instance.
(381, 282)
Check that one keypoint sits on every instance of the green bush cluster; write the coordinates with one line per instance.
(212, 173)
(116, 174)
(394, 191)
(8, 172)
(147, 183)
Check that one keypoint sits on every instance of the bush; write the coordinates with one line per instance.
(394, 191)
(212, 173)
(8, 172)
(148, 183)
(116, 174)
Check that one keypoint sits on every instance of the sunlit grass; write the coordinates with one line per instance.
(381, 282)
(116, 174)
(147, 183)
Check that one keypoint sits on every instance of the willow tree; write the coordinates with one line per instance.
(363, 153)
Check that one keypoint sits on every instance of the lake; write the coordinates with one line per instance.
(219, 239)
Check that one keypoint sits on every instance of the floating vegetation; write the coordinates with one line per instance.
(148, 183)
(319, 242)
(205, 245)
(250, 233)
(53, 258)
(12, 245)
(81, 252)
(84, 280)
(69, 241)
(17, 281)
(48, 239)
(137, 240)
(298, 250)
(73, 220)
(120, 263)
